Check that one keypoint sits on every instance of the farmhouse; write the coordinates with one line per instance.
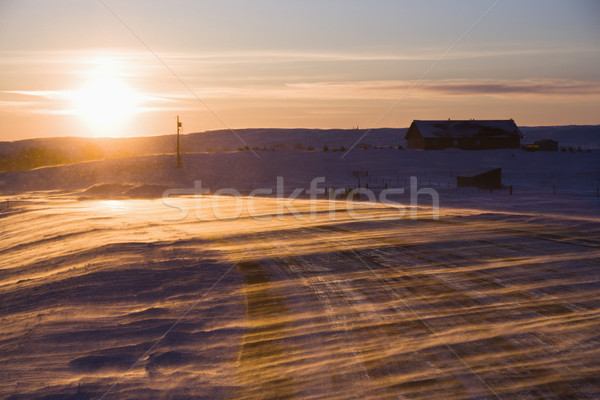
(468, 135)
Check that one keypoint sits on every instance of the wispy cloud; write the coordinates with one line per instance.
(138, 58)
(407, 54)
(236, 78)
(391, 89)
(526, 87)
(61, 102)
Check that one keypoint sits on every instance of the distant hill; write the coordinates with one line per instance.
(33, 153)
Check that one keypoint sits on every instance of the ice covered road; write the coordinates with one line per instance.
(133, 299)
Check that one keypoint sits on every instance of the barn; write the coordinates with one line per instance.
(467, 135)
(547, 145)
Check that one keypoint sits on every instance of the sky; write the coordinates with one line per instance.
(129, 67)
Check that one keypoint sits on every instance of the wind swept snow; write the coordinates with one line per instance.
(111, 299)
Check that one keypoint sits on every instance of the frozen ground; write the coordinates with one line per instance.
(125, 299)
(106, 292)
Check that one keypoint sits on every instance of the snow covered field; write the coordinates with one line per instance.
(108, 291)
(112, 299)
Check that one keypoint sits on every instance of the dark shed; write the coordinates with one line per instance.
(490, 179)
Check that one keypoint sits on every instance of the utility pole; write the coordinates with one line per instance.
(178, 153)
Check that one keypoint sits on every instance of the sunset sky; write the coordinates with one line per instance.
(127, 68)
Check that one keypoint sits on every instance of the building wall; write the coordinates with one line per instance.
(415, 144)
(489, 143)
(463, 143)
(414, 139)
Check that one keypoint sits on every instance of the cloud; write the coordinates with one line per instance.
(136, 59)
(395, 89)
(63, 102)
(527, 87)
(48, 94)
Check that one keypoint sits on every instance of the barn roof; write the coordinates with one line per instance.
(468, 129)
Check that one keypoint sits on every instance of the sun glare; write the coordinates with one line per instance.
(105, 100)
(113, 205)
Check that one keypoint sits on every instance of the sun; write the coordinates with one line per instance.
(105, 99)
(105, 102)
